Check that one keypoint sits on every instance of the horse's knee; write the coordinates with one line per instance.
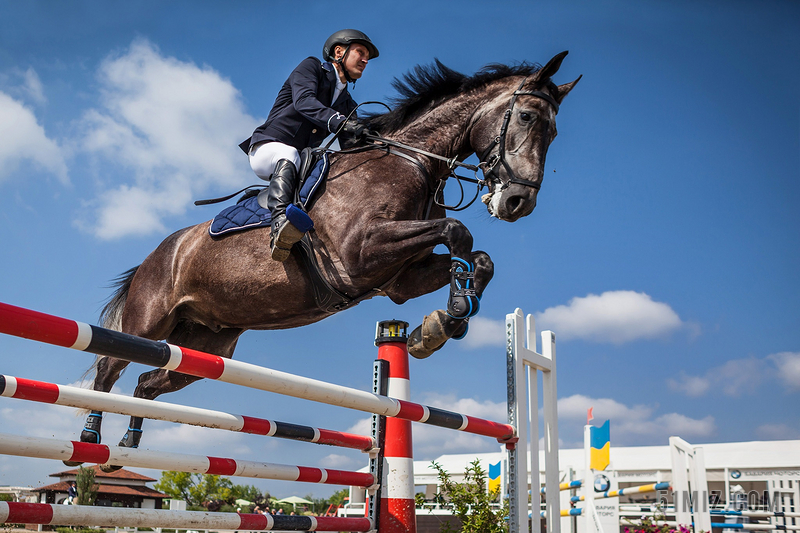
(148, 386)
(458, 236)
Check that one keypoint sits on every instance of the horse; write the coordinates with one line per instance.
(375, 228)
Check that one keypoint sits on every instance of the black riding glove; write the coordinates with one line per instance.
(355, 128)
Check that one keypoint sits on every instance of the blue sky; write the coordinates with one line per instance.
(663, 252)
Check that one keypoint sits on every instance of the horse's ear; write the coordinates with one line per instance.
(563, 90)
(552, 66)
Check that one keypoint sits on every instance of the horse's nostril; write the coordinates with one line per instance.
(514, 203)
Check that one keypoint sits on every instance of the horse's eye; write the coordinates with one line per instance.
(525, 117)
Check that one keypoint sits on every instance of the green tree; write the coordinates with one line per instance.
(471, 502)
(212, 487)
(198, 488)
(177, 485)
(339, 497)
(87, 490)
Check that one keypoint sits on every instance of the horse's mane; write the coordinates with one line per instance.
(428, 85)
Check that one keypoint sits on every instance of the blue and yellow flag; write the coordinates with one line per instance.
(494, 476)
(600, 446)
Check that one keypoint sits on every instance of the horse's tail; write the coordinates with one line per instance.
(111, 315)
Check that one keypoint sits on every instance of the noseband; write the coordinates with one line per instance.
(490, 166)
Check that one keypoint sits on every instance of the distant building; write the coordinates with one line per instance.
(768, 472)
(122, 488)
(20, 494)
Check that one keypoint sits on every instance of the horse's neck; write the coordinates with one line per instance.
(445, 129)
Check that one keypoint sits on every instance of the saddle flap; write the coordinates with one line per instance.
(247, 213)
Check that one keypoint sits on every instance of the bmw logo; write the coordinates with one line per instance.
(601, 483)
(735, 474)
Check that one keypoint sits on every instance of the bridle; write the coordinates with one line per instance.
(489, 166)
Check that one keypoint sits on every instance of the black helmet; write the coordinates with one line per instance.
(346, 38)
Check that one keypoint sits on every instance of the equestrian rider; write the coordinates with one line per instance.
(313, 103)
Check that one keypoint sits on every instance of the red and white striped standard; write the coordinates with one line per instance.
(397, 509)
(82, 515)
(85, 452)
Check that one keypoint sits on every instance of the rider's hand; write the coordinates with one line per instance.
(355, 128)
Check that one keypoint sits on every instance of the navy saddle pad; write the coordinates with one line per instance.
(248, 214)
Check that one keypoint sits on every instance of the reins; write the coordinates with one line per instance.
(488, 166)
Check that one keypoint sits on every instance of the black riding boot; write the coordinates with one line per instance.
(279, 196)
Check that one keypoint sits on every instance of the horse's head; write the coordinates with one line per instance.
(511, 137)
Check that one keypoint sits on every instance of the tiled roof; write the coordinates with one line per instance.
(119, 474)
(125, 490)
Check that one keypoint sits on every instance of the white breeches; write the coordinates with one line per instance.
(264, 157)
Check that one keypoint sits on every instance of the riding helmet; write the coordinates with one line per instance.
(346, 38)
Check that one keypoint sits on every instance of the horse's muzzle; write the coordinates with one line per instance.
(511, 204)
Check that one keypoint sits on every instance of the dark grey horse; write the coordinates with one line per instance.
(375, 228)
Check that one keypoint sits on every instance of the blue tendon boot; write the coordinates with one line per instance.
(90, 433)
(463, 301)
(129, 440)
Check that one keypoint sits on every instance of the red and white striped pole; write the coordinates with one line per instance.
(397, 509)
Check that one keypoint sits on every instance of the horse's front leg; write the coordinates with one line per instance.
(107, 372)
(468, 273)
(425, 277)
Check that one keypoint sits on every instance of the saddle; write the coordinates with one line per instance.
(247, 214)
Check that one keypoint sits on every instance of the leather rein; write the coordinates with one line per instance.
(488, 164)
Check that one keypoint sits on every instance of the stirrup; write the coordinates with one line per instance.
(295, 224)
(463, 301)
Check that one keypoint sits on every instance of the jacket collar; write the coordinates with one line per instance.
(333, 78)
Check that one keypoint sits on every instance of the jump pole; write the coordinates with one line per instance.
(59, 331)
(84, 452)
(80, 515)
(44, 392)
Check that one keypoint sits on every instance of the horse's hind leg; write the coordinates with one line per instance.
(159, 381)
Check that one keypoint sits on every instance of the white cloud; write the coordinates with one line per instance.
(737, 377)
(341, 462)
(168, 131)
(23, 139)
(788, 367)
(634, 424)
(485, 332)
(777, 432)
(614, 316)
(693, 386)
(32, 86)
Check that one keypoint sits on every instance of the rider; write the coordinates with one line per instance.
(313, 103)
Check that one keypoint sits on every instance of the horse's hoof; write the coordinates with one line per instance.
(429, 337)
(416, 346)
(72, 463)
(109, 468)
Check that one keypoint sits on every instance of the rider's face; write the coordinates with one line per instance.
(356, 60)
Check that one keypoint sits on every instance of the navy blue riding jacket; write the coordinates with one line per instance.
(303, 114)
